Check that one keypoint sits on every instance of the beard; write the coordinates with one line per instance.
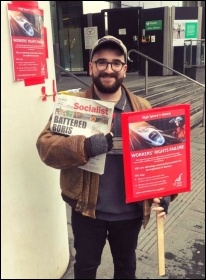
(104, 88)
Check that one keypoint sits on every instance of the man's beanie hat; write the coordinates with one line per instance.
(106, 40)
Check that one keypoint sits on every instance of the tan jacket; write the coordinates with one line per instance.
(79, 187)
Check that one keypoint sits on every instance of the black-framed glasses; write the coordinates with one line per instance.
(103, 64)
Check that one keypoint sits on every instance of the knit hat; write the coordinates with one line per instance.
(109, 39)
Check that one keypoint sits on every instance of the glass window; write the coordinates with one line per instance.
(70, 39)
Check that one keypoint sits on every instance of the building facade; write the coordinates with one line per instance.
(70, 18)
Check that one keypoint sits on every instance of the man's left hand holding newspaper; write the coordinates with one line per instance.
(98, 144)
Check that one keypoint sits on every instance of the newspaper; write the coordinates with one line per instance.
(74, 115)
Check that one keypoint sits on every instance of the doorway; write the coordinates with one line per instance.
(70, 39)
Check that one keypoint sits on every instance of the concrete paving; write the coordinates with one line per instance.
(184, 228)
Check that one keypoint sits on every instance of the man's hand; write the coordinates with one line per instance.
(98, 144)
(161, 205)
(109, 138)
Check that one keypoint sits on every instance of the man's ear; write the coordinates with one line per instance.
(125, 68)
(90, 68)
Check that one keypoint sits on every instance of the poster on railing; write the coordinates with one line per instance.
(156, 152)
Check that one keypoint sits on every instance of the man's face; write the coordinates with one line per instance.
(107, 81)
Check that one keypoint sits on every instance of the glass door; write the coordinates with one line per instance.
(70, 40)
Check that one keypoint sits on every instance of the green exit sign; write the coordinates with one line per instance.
(153, 25)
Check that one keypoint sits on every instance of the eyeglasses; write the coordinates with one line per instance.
(102, 65)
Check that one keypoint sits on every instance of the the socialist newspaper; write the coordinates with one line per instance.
(75, 115)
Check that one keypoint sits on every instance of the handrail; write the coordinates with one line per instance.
(188, 45)
(157, 62)
(194, 40)
(146, 74)
(72, 75)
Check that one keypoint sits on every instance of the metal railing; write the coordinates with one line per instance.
(146, 75)
(174, 71)
(198, 47)
(71, 75)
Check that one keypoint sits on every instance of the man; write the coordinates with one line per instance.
(99, 211)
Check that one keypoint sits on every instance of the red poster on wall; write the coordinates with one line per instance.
(27, 41)
(156, 152)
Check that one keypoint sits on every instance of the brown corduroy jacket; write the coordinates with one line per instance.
(79, 187)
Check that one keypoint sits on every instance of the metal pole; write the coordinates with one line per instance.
(191, 54)
(185, 50)
(203, 120)
(146, 76)
(89, 24)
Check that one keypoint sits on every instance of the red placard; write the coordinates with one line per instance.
(156, 152)
(25, 3)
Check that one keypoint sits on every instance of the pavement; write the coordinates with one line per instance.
(184, 227)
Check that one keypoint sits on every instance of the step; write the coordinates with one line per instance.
(164, 90)
(159, 87)
(138, 83)
(196, 119)
(181, 97)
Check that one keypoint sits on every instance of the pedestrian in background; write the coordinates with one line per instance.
(99, 210)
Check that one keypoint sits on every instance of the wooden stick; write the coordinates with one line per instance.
(160, 244)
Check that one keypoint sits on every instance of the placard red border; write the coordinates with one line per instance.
(166, 163)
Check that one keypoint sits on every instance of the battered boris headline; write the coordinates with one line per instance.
(65, 125)
(74, 115)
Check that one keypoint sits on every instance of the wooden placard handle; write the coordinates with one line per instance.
(160, 244)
